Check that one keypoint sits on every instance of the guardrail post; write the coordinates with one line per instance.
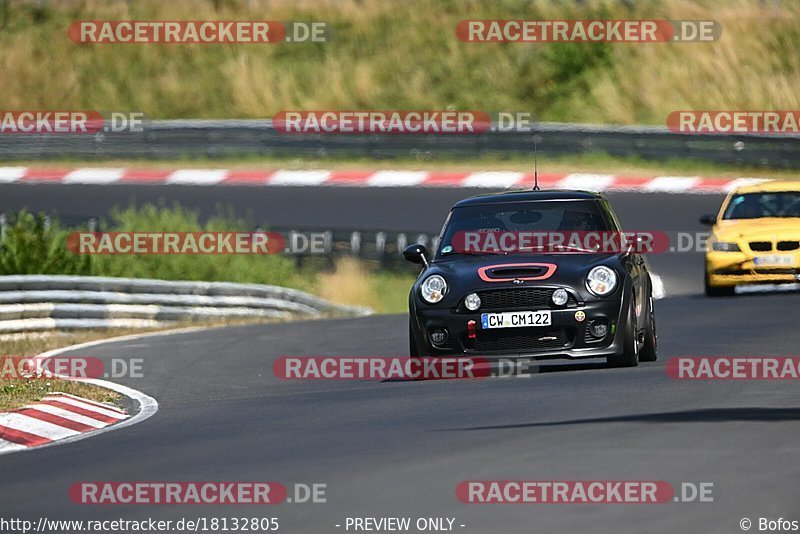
(380, 247)
(355, 244)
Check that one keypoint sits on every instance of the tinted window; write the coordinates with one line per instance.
(545, 216)
(757, 205)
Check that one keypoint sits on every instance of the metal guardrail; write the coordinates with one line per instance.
(383, 247)
(42, 302)
(172, 139)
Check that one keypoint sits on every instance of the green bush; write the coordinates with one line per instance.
(32, 245)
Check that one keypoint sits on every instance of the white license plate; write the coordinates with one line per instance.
(775, 259)
(515, 319)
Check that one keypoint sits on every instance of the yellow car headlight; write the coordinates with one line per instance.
(723, 246)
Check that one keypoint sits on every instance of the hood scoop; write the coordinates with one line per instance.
(516, 271)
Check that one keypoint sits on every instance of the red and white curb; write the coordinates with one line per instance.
(385, 178)
(57, 416)
(58, 434)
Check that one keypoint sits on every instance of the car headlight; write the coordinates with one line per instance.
(601, 280)
(722, 246)
(433, 289)
(560, 297)
(472, 301)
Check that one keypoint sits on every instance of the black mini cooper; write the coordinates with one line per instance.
(513, 277)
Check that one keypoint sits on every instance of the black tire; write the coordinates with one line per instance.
(649, 352)
(630, 351)
(713, 291)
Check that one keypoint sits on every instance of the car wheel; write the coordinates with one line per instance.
(629, 357)
(715, 291)
(649, 352)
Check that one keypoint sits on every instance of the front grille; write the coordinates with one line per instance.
(523, 339)
(760, 246)
(529, 298)
(758, 270)
(732, 272)
(788, 245)
(777, 270)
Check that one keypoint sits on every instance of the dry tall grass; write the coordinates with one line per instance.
(353, 283)
(403, 55)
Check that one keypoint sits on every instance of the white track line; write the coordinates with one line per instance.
(12, 174)
(741, 182)
(671, 184)
(493, 179)
(94, 176)
(299, 178)
(589, 182)
(397, 178)
(197, 176)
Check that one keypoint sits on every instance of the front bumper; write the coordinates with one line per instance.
(566, 337)
(726, 269)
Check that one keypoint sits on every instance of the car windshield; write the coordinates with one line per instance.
(758, 205)
(540, 216)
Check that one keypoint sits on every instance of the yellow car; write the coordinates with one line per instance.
(755, 238)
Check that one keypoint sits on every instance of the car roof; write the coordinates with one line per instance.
(769, 186)
(529, 196)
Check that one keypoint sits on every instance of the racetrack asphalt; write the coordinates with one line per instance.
(400, 448)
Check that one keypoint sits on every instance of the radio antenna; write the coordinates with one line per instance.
(535, 163)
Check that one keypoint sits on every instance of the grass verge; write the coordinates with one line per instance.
(19, 392)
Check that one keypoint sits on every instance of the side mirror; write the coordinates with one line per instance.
(708, 220)
(416, 254)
